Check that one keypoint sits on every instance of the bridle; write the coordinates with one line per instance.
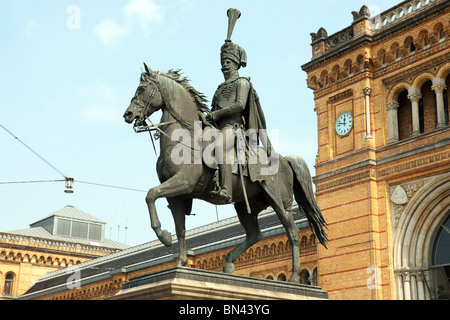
(141, 124)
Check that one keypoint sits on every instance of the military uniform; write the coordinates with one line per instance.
(234, 100)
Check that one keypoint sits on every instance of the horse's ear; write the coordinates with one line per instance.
(147, 69)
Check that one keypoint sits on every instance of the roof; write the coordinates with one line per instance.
(72, 213)
(211, 237)
(39, 232)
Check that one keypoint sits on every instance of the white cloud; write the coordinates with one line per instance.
(145, 12)
(110, 32)
(142, 13)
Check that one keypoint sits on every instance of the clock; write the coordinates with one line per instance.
(344, 124)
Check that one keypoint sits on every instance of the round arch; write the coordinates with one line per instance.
(444, 71)
(396, 90)
(413, 242)
(422, 78)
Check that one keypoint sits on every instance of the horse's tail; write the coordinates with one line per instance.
(305, 198)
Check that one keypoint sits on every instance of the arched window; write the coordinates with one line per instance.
(409, 45)
(9, 283)
(314, 277)
(438, 276)
(427, 108)
(304, 277)
(304, 242)
(441, 251)
(446, 100)
(404, 116)
(281, 277)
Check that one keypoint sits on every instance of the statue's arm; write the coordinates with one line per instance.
(242, 90)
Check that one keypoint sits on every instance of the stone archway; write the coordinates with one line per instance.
(418, 222)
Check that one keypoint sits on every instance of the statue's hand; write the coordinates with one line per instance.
(210, 117)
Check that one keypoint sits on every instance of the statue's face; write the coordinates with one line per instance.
(229, 66)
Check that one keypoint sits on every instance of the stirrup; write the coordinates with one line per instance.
(222, 195)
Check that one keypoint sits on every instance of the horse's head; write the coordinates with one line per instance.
(146, 100)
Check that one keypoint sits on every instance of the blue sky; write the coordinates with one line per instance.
(68, 70)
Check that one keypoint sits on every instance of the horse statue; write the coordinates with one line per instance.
(182, 108)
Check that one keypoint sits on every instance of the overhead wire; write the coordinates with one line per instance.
(29, 148)
(34, 181)
(57, 170)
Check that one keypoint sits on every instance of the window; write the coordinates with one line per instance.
(9, 282)
(404, 116)
(314, 277)
(421, 117)
(441, 251)
(63, 227)
(446, 99)
(95, 232)
(79, 229)
(281, 277)
(305, 277)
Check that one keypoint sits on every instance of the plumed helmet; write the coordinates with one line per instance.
(229, 49)
(233, 52)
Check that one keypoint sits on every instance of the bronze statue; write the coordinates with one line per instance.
(186, 173)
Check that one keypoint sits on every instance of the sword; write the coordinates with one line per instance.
(241, 168)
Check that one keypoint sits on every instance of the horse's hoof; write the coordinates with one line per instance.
(294, 279)
(181, 263)
(228, 267)
(166, 238)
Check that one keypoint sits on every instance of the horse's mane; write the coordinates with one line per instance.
(199, 98)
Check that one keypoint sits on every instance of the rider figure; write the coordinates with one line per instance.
(235, 106)
(228, 105)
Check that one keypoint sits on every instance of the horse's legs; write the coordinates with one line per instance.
(175, 186)
(180, 207)
(287, 220)
(253, 234)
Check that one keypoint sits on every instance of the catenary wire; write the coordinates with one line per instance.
(29, 148)
(52, 166)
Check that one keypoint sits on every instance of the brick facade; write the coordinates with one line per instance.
(398, 63)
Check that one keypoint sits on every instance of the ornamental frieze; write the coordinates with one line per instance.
(372, 173)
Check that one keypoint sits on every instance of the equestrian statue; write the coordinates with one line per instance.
(221, 155)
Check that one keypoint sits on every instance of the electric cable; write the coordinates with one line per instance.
(37, 154)
(34, 181)
(109, 186)
(53, 167)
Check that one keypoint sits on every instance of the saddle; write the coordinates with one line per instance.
(254, 159)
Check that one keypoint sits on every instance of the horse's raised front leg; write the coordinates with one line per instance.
(180, 207)
(175, 186)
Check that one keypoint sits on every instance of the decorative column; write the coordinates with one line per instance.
(406, 285)
(439, 87)
(367, 91)
(420, 285)
(414, 96)
(392, 115)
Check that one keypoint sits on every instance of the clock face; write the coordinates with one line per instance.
(344, 124)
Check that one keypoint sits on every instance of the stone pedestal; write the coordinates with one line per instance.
(195, 284)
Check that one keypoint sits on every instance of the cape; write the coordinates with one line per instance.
(254, 117)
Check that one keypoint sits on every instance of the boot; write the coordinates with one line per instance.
(226, 181)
